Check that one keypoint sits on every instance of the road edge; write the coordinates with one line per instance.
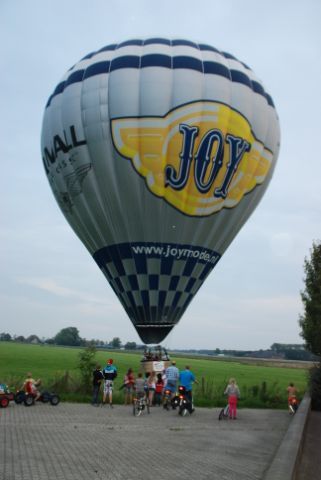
(287, 457)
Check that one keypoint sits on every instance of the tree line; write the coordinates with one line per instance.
(70, 337)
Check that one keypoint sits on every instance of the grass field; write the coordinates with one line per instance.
(261, 385)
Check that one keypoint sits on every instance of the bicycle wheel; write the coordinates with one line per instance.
(4, 402)
(54, 400)
(182, 410)
(29, 400)
(221, 414)
(136, 409)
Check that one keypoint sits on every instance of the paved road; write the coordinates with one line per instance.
(82, 442)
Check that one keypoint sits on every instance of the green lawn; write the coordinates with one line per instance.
(261, 385)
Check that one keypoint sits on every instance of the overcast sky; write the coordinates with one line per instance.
(49, 281)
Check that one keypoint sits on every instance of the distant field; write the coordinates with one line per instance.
(261, 384)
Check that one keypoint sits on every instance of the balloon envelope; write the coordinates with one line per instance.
(157, 152)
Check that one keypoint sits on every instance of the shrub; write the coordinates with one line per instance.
(86, 366)
(315, 386)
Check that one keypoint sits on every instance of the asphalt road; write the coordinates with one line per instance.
(82, 442)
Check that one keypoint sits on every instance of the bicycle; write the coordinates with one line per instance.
(224, 412)
(139, 405)
(293, 405)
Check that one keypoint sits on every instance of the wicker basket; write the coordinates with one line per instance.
(154, 365)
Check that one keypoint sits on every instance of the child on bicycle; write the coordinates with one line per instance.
(292, 398)
(140, 386)
(30, 386)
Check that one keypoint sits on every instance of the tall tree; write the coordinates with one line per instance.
(116, 342)
(68, 336)
(310, 321)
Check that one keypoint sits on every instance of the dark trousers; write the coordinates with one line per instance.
(189, 398)
(96, 389)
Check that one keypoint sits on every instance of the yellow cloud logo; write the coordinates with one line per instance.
(200, 157)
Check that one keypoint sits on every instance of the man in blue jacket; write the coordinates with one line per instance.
(186, 379)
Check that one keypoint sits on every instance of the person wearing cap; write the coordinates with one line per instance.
(109, 373)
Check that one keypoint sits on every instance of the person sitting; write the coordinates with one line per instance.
(292, 397)
(140, 385)
(30, 386)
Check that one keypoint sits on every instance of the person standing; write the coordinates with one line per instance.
(233, 394)
(172, 376)
(159, 388)
(109, 373)
(151, 385)
(98, 377)
(186, 380)
(129, 382)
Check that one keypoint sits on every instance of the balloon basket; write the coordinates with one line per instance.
(155, 360)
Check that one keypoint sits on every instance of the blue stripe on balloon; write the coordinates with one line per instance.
(216, 69)
(240, 77)
(97, 69)
(269, 100)
(128, 61)
(141, 264)
(145, 297)
(161, 298)
(108, 48)
(119, 285)
(153, 281)
(176, 299)
(159, 41)
(189, 267)
(174, 282)
(75, 77)
(166, 265)
(135, 42)
(164, 61)
(184, 43)
(133, 282)
(208, 48)
(190, 284)
(156, 60)
(190, 63)
(257, 88)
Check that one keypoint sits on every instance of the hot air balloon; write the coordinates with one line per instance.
(157, 152)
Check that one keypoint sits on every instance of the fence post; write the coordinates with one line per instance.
(203, 385)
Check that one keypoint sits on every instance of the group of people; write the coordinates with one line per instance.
(152, 384)
(105, 376)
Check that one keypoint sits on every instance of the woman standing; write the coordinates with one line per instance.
(233, 394)
(151, 385)
(129, 382)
